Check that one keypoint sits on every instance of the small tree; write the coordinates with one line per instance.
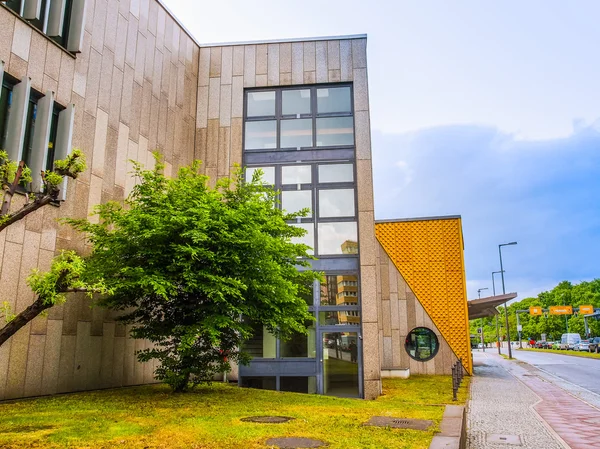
(66, 268)
(191, 267)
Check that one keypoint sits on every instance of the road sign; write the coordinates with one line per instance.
(535, 310)
(519, 328)
(561, 310)
(586, 310)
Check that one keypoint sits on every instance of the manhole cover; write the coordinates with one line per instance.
(495, 438)
(399, 423)
(294, 443)
(268, 419)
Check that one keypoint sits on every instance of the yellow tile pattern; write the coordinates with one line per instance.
(429, 254)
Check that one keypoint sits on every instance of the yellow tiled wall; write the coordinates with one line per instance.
(429, 254)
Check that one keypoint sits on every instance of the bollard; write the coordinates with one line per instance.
(454, 398)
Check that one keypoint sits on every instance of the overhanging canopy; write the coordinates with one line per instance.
(484, 307)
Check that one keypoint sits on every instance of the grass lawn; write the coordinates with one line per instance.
(209, 417)
(590, 355)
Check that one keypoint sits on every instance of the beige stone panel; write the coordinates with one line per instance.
(138, 367)
(35, 365)
(393, 274)
(397, 346)
(273, 65)
(107, 355)
(153, 16)
(369, 293)
(333, 55)
(419, 314)
(394, 317)
(310, 62)
(4, 359)
(52, 65)
(116, 89)
(224, 151)
(104, 93)
(110, 31)
(346, 72)
(212, 144)
(161, 20)
(204, 68)
(154, 116)
(166, 73)
(122, 150)
(21, 40)
(299, 62)
(310, 77)
(172, 86)
(214, 93)
(149, 57)
(65, 82)
(359, 53)
(39, 324)
(238, 60)
(385, 285)
(82, 349)
(33, 222)
(169, 143)
(237, 97)
(386, 352)
(99, 24)
(136, 112)
(17, 363)
(285, 79)
(368, 244)
(129, 360)
(93, 361)
(372, 389)
(148, 367)
(361, 90)
(261, 80)
(402, 287)
(134, 8)
(144, 15)
(140, 59)
(262, 51)
(236, 141)
(127, 95)
(249, 65)
(17, 66)
(226, 65)
(121, 42)
(371, 351)
(363, 135)
(37, 59)
(49, 83)
(89, 17)
(321, 55)
(387, 317)
(334, 76)
(99, 152)
(130, 180)
(215, 62)
(7, 28)
(157, 73)
(202, 107)
(117, 361)
(92, 82)
(168, 170)
(225, 105)
(175, 39)
(285, 57)
(95, 197)
(145, 109)
(16, 232)
(131, 45)
(29, 261)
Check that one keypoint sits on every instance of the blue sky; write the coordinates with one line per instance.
(489, 110)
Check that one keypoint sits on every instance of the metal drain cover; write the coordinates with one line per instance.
(294, 443)
(267, 419)
(399, 423)
(496, 438)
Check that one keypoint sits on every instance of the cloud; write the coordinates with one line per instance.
(544, 194)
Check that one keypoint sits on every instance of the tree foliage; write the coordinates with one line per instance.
(553, 326)
(193, 267)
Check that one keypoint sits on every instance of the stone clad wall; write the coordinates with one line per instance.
(134, 87)
(225, 71)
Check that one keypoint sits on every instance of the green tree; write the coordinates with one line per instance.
(193, 269)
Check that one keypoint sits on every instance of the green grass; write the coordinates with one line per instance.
(590, 355)
(209, 417)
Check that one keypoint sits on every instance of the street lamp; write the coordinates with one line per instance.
(504, 293)
(479, 290)
(497, 329)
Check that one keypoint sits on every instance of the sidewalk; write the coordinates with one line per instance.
(511, 398)
(501, 406)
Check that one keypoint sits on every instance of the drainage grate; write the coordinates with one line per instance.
(294, 443)
(513, 440)
(267, 419)
(399, 423)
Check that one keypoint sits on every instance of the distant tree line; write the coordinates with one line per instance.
(564, 294)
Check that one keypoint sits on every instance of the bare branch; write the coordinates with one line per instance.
(26, 210)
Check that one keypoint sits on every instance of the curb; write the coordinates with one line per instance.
(453, 433)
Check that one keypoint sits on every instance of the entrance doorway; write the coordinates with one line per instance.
(341, 366)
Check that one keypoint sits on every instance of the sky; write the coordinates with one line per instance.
(488, 110)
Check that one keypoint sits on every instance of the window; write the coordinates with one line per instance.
(333, 131)
(296, 102)
(336, 203)
(336, 173)
(61, 20)
(334, 99)
(421, 344)
(337, 238)
(268, 174)
(300, 345)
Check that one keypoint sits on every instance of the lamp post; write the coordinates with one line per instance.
(497, 329)
(479, 290)
(504, 293)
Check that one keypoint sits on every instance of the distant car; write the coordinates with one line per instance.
(546, 345)
(540, 344)
(594, 344)
(555, 345)
(480, 346)
(583, 345)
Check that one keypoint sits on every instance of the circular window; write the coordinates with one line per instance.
(421, 344)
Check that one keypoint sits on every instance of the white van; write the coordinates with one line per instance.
(568, 341)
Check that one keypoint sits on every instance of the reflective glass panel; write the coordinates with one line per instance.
(293, 201)
(295, 102)
(296, 174)
(338, 238)
(339, 290)
(340, 363)
(15, 5)
(336, 203)
(421, 344)
(262, 344)
(339, 318)
(333, 99)
(260, 382)
(5, 102)
(336, 173)
(268, 175)
(261, 135)
(261, 104)
(298, 384)
(300, 345)
(308, 238)
(335, 131)
(296, 133)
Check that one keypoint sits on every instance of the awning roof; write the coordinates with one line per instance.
(484, 307)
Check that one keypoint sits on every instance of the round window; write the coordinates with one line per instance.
(421, 344)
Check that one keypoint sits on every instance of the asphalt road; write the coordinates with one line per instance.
(580, 371)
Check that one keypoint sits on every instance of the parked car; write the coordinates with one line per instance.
(594, 345)
(540, 344)
(555, 345)
(568, 341)
(547, 345)
(583, 345)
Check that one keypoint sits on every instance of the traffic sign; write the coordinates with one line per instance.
(561, 310)
(535, 310)
(586, 310)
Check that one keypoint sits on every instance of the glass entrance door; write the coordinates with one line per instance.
(340, 364)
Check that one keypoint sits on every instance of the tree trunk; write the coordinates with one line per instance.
(22, 319)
